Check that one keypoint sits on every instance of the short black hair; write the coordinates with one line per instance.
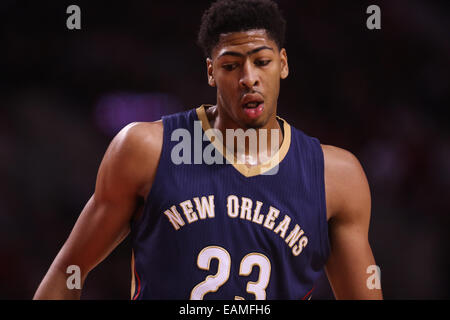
(226, 16)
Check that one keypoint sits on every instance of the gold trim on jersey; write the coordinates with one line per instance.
(245, 170)
(133, 281)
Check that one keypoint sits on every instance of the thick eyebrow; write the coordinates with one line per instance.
(238, 54)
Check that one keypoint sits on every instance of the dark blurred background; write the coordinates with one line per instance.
(382, 94)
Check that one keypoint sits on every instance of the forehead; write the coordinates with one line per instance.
(243, 41)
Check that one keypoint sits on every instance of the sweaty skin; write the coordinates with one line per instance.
(128, 168)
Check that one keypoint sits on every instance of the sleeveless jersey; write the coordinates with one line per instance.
(228, 231)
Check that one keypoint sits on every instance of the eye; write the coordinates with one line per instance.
(229, 66)
(261, 63)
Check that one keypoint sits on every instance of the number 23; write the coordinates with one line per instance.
(213, 282)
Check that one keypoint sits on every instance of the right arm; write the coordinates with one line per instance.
(123, 181)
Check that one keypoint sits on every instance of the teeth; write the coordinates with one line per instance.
(252, 104)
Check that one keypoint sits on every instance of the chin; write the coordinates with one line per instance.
(253, 123)
(257, 123)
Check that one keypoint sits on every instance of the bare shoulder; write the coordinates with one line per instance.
(346, 185)
(133, 155)
(140, 134)
(139, 144)
(137, 140)
(338, 159)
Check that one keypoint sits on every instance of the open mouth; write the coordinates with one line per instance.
(253, 104)
(254, 109)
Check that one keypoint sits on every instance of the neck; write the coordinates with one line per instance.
(251, 146)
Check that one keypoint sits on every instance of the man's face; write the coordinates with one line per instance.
(246, 67)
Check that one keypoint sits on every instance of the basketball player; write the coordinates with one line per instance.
(227, 231)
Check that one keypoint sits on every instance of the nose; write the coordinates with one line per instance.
(249, 76)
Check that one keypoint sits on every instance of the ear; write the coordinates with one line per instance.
(210, 69)
(284, 64)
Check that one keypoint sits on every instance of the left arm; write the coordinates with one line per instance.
(348, 206)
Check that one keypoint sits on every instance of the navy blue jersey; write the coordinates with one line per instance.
(228, 231)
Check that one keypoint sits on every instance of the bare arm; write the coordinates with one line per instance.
(349, 204)
(124, 179)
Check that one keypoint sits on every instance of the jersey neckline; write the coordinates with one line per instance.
(247, 171)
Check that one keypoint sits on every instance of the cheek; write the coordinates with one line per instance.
(227, 84)
(226, 90)
(272, 83)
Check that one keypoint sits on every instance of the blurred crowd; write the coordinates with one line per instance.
(380, 94)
